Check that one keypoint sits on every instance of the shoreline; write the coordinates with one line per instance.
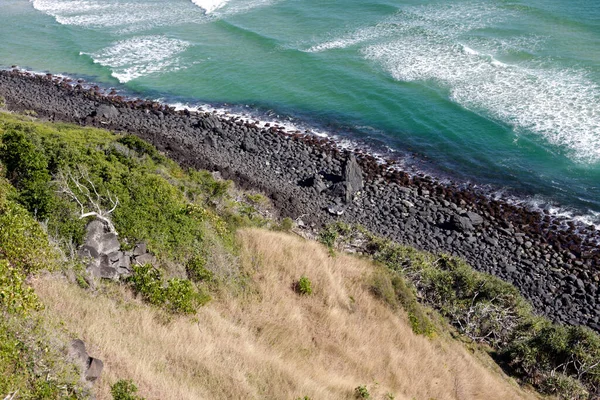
(557, 270)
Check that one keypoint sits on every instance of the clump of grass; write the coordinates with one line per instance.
(124, 390)
(303, 286)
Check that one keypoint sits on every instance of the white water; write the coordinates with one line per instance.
(141, 55)
(433, 44)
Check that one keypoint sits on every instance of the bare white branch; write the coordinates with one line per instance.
(80, 188)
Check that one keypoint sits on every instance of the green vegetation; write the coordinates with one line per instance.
(361, 392)
(124, 390)
(303, 286)
(558, 360)
(188, 219)
(29, 363)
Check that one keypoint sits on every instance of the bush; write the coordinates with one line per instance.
(393, 290)
(124, 390)
(147, 281)
(197, 271)
(285, 225)
(303, 286)
(15, 297)
(178, 296)
(361, 392)
(27, 169)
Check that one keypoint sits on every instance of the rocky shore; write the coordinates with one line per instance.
(555, 264)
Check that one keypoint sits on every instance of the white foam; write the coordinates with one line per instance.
(139, 56)
(222, 8)
(126, 16)
(433, 44)
(210, 5)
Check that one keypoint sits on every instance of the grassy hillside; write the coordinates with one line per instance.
(271, 342)
(228, 310)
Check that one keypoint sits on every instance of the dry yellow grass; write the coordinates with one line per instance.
(275, 344)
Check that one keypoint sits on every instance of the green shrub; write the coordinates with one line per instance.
(197, 271)
(182, 298)
(147, 281)
(124, 390)
(285, 225)
(303, 286)
(393, 290)
(27, 169)
(140, 147)
(15, 296)
(361, 392)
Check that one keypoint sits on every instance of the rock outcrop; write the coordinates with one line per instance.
(102, 252)
(91, 367)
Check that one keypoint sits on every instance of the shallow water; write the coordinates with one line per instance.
(498, 93)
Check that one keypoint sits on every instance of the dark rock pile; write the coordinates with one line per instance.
(555, 264)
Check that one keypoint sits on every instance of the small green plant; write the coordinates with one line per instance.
(147, 282)
(361, 392)
(303, 286)
(303, 398)
(124, 390)
(2, 102)
(285, 225)
(197, 271)
(390, 396)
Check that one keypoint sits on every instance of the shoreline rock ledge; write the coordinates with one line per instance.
(554, 263)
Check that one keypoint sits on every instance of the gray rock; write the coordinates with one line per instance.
(146, 258)
(353, 178)
(139, 249)
(474, 218)
(461, 224)
(249, 145)
(78, 352)
(335, 209)
(107, 111)
(94, 369)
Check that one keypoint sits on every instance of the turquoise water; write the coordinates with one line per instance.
(502, 94)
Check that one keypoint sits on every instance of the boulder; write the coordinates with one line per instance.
(94, 369)
(460, 223)
(139, 249)
(146, 258)
(106, 111)
(90, 366)
(474, 218)
(353, 178)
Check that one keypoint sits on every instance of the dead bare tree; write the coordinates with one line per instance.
(80, 188)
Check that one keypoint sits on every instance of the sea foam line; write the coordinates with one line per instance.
(141, 55)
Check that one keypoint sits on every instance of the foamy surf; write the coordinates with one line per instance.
(210, 5)
(437, 45)
(140, 56)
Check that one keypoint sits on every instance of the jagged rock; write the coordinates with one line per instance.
(90, 366)
(106, 111)
(98, 241)
(139, 249)
(461, 224)
(210, 122)
(353, 178)
(474, 218)
(146, 258)
(94, 369)
(249, 145)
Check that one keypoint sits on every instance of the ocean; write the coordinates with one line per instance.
(503, 95)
